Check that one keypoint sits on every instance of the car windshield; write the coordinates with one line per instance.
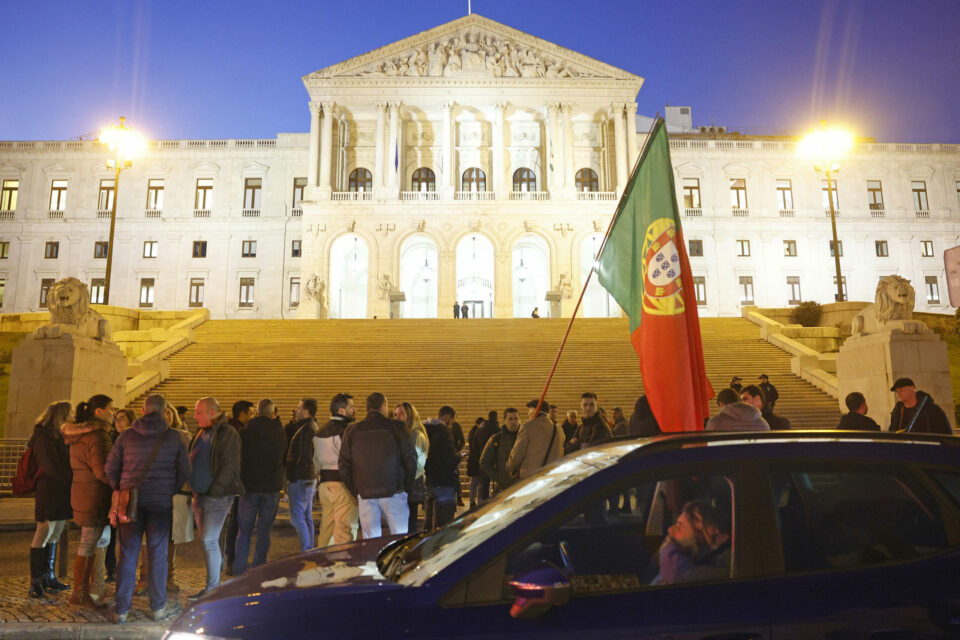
(420, 558)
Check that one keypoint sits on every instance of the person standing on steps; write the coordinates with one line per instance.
(456, 309)
(770, 393)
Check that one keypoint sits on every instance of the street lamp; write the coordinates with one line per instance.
(124, 145)
(825, 147)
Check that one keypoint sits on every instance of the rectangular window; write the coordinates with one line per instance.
(146, 292)
(785, 194)
(294, 248)
(199, 248)
(695, 248)
(246, 292)
(958, 191)
(248, 249)
(295, 292)
(882, 250)
(3, 286)
(4, 250)
(700, 289)
(926, 248)
(738, 193)
(299, 184)
(843, 287)
(97, 288)
(8, 196)
(196, 292)
(919, 188)
(793, 283)
(743, 248)
(251, 193)
(45, 285)
(691, 193)
(839, 247)
(51, 250)
(203, 199)
(832, 195)
(100, 249)
(933, 289)
(875, 195)
(790, 248)
(746, 289)
(155, 194)
(108, 189)
(58, 195)
(150, 249)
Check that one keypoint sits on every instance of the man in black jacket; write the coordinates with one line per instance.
(263, 447)
(593, 430)
(479, 435)
(378, 463)
(915, 411)
(493, 459)
(442, 479)
(301, 473)
(857, 418)
(753, 395)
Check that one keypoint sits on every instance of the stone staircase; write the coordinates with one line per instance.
(474, 365)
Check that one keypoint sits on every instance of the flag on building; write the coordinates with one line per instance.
(644, 266)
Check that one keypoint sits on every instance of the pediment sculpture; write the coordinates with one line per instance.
(892, 310)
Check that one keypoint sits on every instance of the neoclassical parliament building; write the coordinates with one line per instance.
(470, 163)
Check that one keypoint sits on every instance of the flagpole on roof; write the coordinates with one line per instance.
(593, 267)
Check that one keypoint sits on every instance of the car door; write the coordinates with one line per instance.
(867, 552)
(609, 545)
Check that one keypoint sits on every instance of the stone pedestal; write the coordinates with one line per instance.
(66, 368)
(870, 364)
(397, 298)
(555, 299)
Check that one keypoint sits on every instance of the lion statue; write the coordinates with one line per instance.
(892, 311)
(69, 303)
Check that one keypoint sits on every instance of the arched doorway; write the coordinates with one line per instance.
(475, 275)
(531, 276)
(418, 276)
(349, 270)
(597, 303)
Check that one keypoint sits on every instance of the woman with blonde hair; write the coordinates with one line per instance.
(52, 504)
(407, 414)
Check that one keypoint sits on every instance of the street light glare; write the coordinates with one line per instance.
(825, 147)
(123, 142)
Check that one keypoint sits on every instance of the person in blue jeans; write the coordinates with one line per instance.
(125, 465)
(215, 482)
(441, 468)
(263, 447)
(302, 473)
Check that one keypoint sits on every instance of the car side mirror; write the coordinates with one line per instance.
(539, 590)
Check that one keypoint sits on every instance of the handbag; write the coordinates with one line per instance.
(124, 502)
(25, 480)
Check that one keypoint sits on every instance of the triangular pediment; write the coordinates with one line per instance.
(472, 47)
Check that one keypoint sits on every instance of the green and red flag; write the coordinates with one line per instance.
(644, 266)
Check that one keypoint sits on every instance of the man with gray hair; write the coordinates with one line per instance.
(214, 480)
(150, 457)
(263, 445)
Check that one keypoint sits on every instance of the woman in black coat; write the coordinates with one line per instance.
(52, 504)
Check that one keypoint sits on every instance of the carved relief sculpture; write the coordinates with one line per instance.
(70, 312)
(891, 311)
(565, 286)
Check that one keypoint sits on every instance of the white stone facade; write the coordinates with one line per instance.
(471, 94)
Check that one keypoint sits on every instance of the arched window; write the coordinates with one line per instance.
(361, 180)
(473, 180)
(587, 180)
(524, 180)
(424, 180)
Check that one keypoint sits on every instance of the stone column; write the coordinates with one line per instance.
(631, 135)
(446, 282)
(555, 154)
(620, 144)
(393, 149)
(503, 283)
(447, 179)
(314, 144)
(496, 180)
(378, 171)
(326, 148)
(568, 182)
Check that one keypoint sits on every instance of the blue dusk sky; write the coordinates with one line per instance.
(887, 69)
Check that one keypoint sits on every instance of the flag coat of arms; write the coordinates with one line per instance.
(644, 266)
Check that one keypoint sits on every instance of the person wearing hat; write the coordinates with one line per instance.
(770, 393)
(539, 442)
(915, 411)
(735, 384)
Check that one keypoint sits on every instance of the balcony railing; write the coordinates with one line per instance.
(201, 213)
(923, 214)
(153, 213)
(594, 196)
(741, 213)
(530, 195)
(251, 213)
(836, 213)
(475, 195)
(296, 213)
(6, 215)
(419, 196)
(787, 213)
(55, 215)
(693, 213)
(878, 213)
(103, 215)
(351, 196)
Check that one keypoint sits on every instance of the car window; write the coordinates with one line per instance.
(630, 537)
(950, 483)
(839, 518)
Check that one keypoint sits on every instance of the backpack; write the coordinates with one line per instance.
(25, 479)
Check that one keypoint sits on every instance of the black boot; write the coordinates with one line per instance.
(50, 582)
(37, 557)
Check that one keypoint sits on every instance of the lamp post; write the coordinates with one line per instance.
(825, 147)
(124, 145)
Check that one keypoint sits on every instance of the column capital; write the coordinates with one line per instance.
(566, 107)
(381, 106)
(393, 106)
(616, 109)
(631, 107)
(328, 106)
(553, 108)
(500, 107)
(315, 108)
(448, 105)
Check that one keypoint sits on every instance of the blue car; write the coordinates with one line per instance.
(707, 535)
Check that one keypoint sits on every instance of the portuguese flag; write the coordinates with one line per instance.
(644, 266)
